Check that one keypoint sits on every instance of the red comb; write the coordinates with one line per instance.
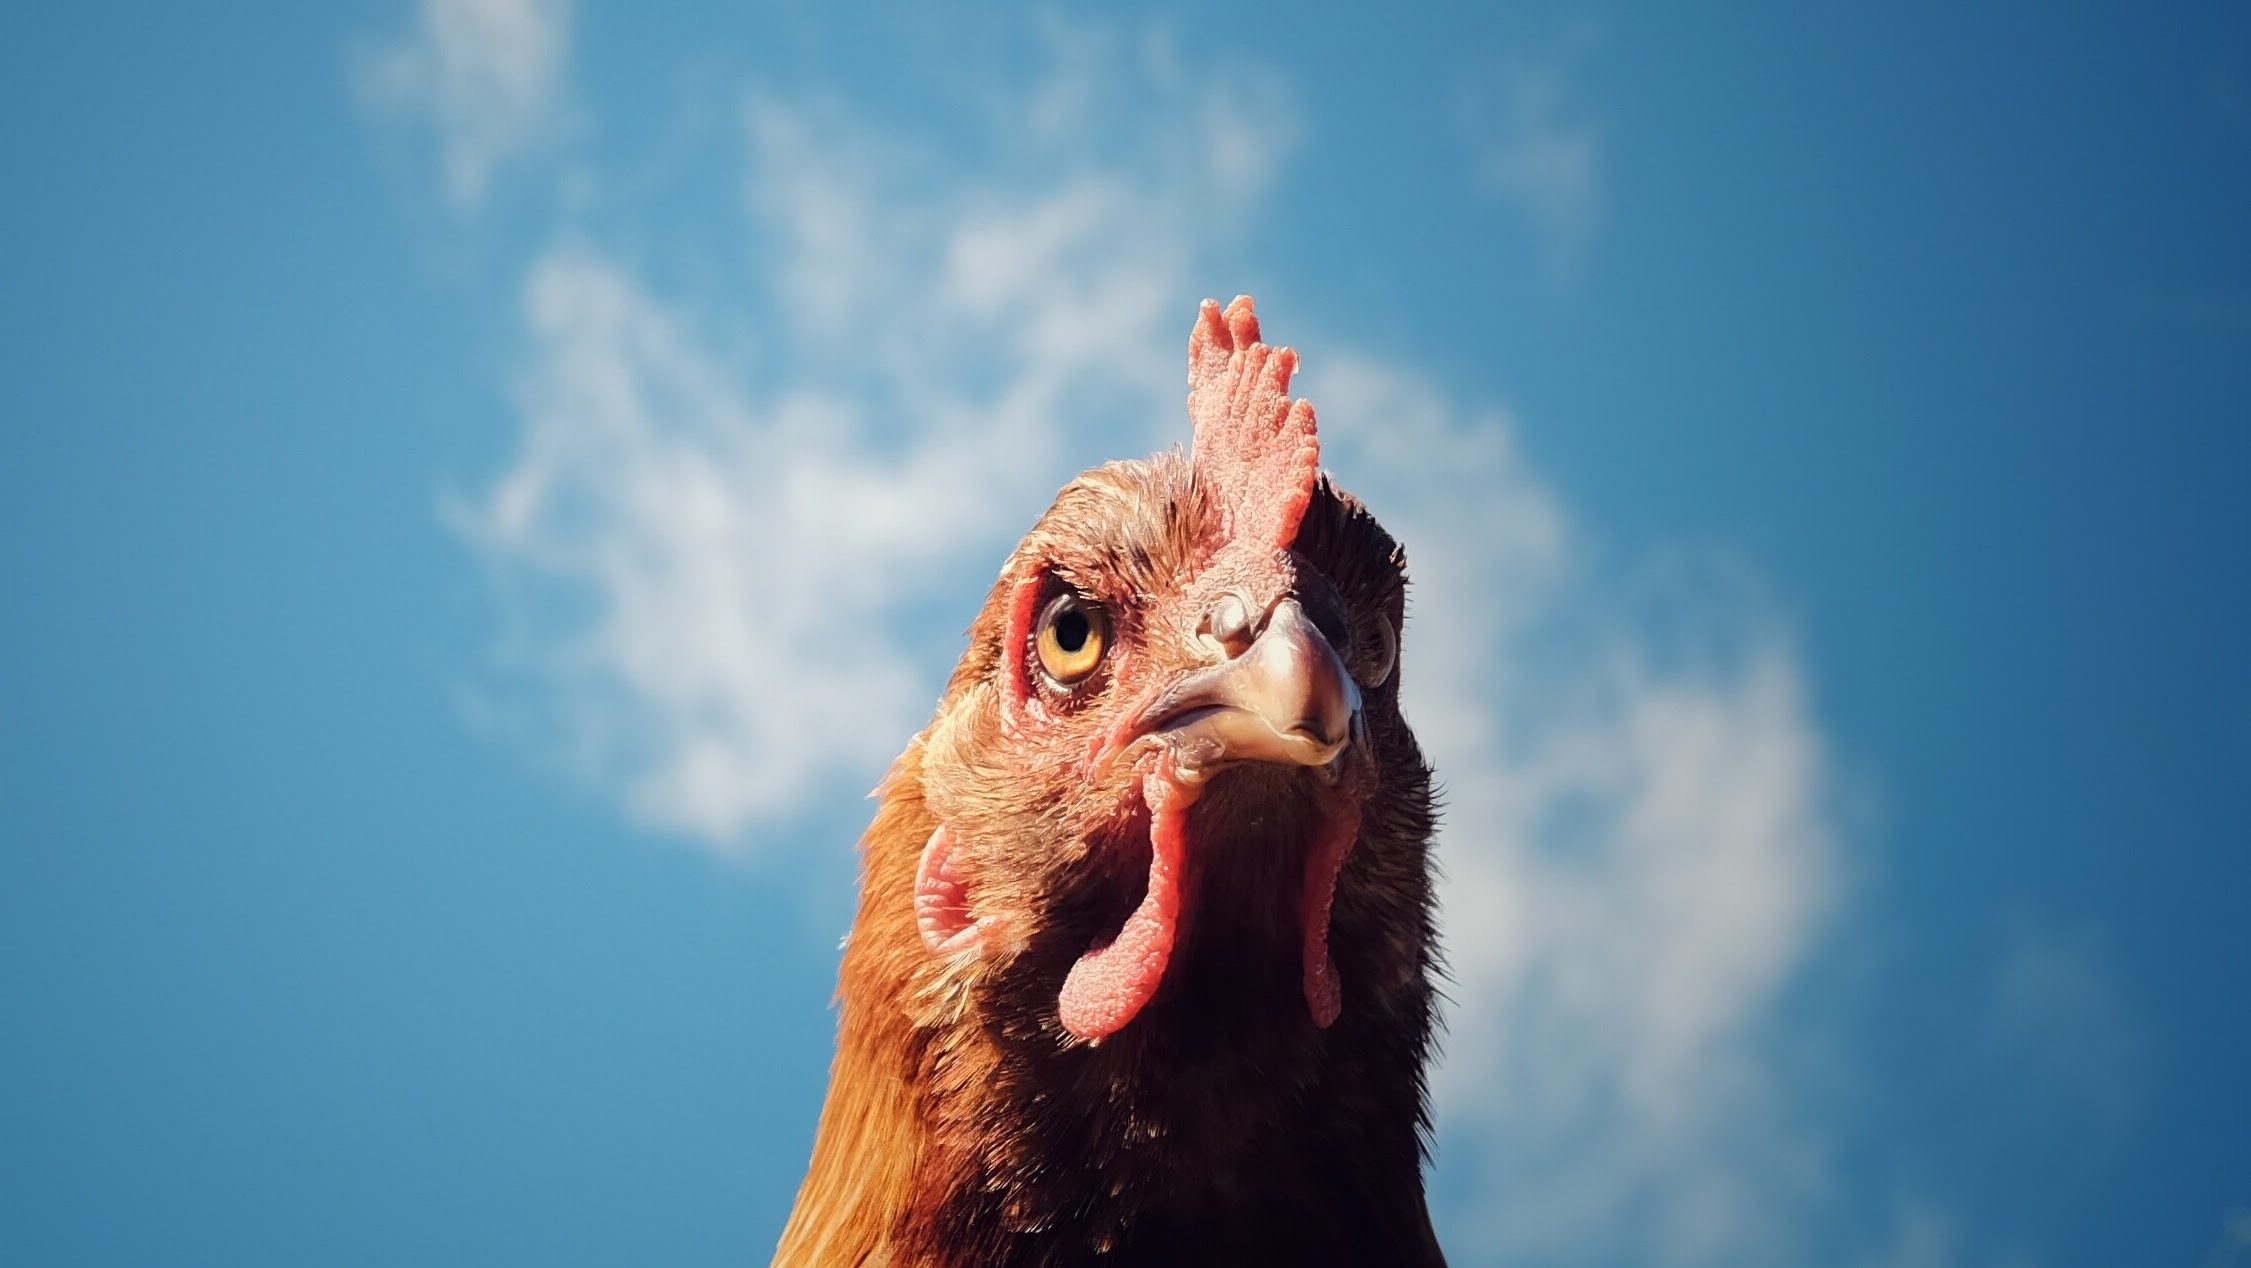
(1255, 452)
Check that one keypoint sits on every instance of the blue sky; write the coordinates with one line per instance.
(486, 487)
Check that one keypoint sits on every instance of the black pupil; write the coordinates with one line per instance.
(1071, 629)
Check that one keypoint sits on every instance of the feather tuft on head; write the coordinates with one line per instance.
(1255, 450)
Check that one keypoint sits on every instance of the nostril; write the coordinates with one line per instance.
(1229, 623)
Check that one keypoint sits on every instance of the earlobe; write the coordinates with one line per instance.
(1384, 656)
(941, 899)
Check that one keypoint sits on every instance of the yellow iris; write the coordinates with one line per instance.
(1072, 635)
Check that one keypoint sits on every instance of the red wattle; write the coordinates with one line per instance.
(1324, 996)
(1111, 984)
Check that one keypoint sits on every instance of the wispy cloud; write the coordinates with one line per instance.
(1638, 859)
(2234, 1244)
(485, 75)
(733, 565)
(2058, 1019)
(1536, 147)
(721, 536)
(722, 576)
(1921, 1237)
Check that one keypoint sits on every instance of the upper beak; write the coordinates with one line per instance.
(1286, 697)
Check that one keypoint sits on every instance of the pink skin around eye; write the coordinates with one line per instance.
(1022, 610)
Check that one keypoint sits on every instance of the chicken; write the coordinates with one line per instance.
(1142, 967)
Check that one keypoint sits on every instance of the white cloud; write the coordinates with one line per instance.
(486, 75)
(716, 576)
(735, 564)
(1636, 861)
(712, 561)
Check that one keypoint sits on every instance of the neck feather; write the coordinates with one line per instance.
(933, 1148)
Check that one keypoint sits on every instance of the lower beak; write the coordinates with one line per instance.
(1285, 698)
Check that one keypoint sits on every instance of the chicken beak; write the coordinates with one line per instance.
(1284, 697)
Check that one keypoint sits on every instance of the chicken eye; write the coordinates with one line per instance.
(1071, 637)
